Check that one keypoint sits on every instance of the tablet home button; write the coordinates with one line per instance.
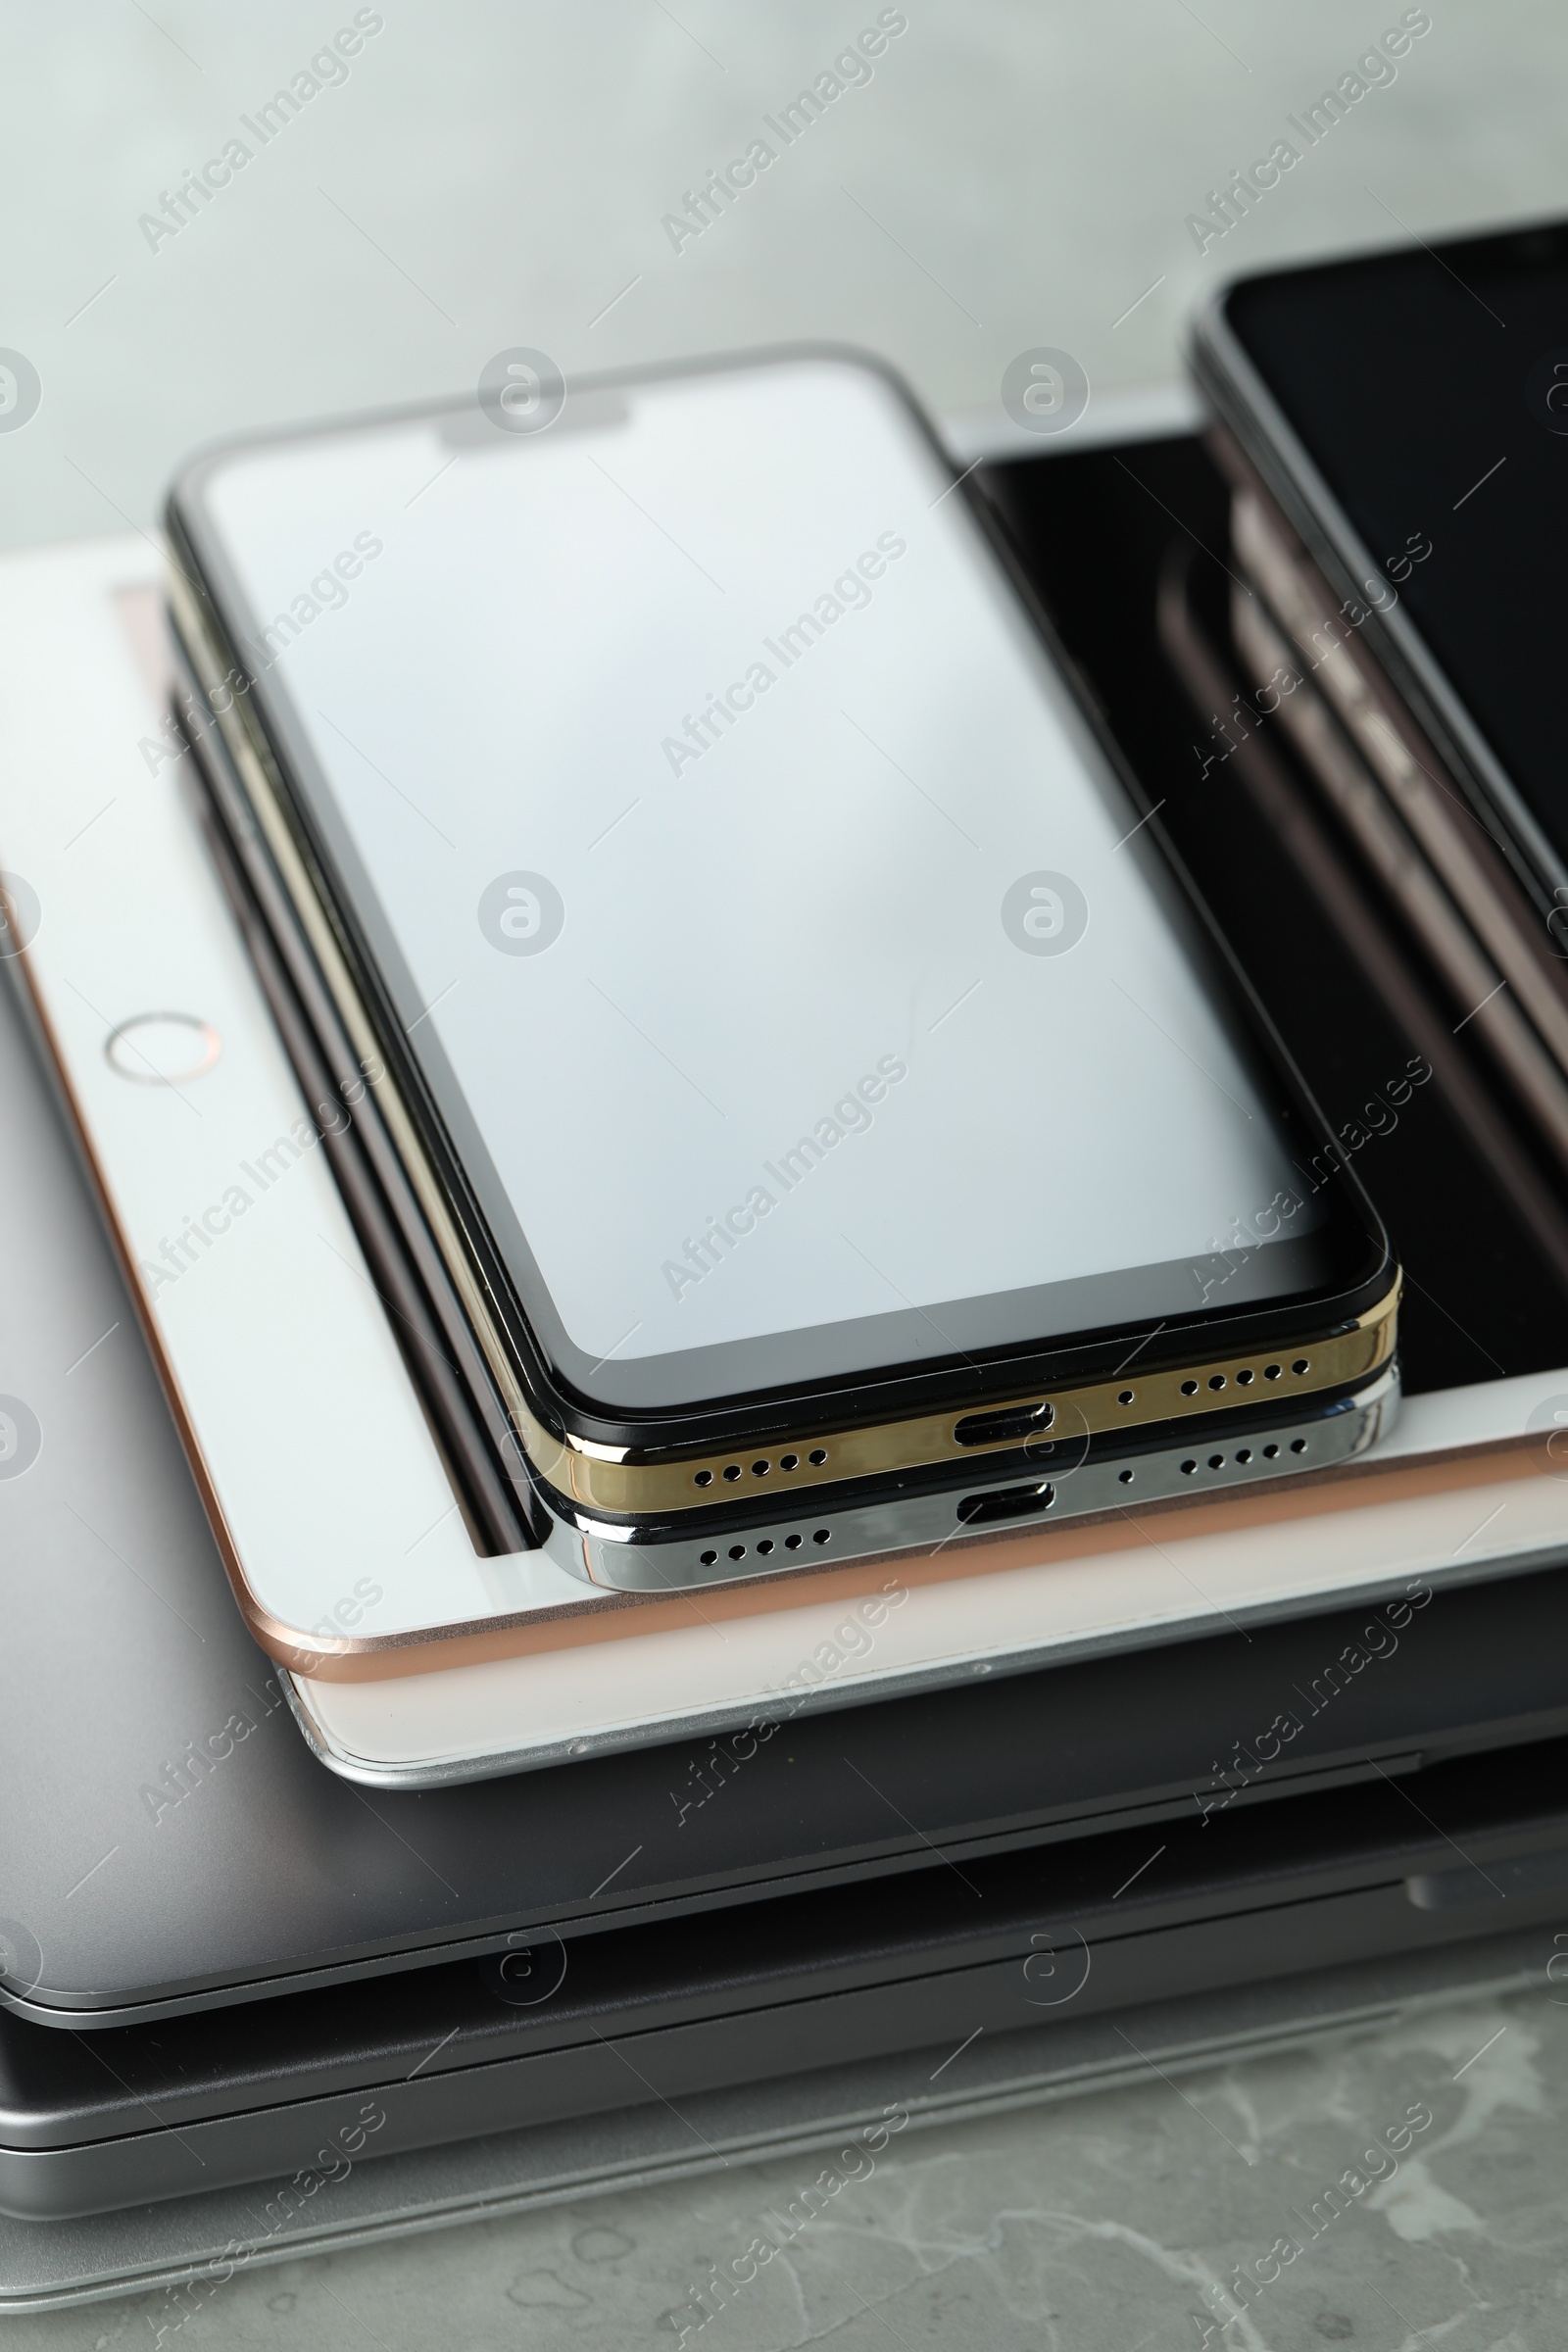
(163, 1048)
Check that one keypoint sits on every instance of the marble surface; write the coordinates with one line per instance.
(1107, 2224)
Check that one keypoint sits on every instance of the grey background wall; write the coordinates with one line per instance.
(1016, 173)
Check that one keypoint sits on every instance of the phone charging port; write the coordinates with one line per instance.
(1007, 1502)
(1017, 1421)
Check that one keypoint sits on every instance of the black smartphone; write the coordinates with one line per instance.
(1408, 412)
(818, 1085)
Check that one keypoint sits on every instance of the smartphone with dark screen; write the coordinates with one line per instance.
(1397, 427)
(811, 1074)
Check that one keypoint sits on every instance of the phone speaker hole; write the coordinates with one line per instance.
(737, 1551)
(707, 1558)
(1298, 1444)
(793, 1542)
(824, 1535)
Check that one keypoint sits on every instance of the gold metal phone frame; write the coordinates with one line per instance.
(628, 1483)
(641, 1487)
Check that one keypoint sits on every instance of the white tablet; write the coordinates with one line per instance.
(333, 1509)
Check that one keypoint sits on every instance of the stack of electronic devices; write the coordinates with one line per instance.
(846, 1182)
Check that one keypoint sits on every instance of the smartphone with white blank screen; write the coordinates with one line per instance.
(812, 1075)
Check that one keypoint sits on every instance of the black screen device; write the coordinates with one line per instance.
(1409, 409)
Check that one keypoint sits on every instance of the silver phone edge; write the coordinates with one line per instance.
(607, 1557)
(1365, 1418)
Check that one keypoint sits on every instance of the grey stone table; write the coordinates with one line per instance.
(1388, 2190)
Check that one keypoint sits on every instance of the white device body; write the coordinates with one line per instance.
(316, 1459)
